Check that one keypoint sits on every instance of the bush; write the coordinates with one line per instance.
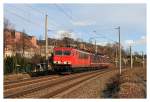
(15, 64)
(9, 65)
(19, 64)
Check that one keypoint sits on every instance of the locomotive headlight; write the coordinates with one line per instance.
(55, 62)
(59, 62)
(65, 62)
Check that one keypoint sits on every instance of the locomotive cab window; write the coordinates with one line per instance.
(58, 52)
(83, 55)
(67, 53)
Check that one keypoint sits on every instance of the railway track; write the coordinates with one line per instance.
(50, 88)
(69, 85)
(28, 81)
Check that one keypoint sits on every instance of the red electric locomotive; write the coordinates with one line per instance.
(70, 60)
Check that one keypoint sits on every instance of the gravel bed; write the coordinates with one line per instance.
(91, 89)
(28, 86)
(16, 77)
(45, 91)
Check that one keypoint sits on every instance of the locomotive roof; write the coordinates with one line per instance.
(81, 50)
(68, 48)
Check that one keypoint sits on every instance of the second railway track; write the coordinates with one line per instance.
(29, 81)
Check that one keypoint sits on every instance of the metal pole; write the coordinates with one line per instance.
(131, 57)
(143, 59)
(95, 43)
(116, 60)
(119, 49)
(46, 40)
(95, 47)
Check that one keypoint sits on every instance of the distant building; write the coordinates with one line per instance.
(33, 41)
(42, 50)
(17, 42)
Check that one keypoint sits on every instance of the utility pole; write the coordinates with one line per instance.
(131, 61)
(116, 59)
(95, 43)
(143, 59)
(119, 49)
(46, 39)
(95, 47)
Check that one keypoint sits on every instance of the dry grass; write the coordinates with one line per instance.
(131, 90)
(131, 84)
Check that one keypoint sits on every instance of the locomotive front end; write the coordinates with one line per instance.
(62, 59)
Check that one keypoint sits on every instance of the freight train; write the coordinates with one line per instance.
(68, 60)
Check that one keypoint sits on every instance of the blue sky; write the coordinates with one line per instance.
(81, 20)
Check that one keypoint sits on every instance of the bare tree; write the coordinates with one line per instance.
(24, 43)
(9, 33)
(40, 38)
(8, 24)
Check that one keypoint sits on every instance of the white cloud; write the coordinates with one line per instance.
(125, 15)
(83, 23)
(102, 43)
(129, 42)
(140, 41)
(143, 37)
(64, 33)
(61, 33)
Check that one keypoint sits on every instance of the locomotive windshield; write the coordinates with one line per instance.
(66, 52)
(60, 52)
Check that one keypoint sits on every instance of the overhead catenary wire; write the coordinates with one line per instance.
(103, 36)
(51, 19)
(24, 19)
(38, 11)
(68, 9)
(35, 10)
(70, 14)
(108, 39)
(42, 12)
(27, 20)
(64, 12)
